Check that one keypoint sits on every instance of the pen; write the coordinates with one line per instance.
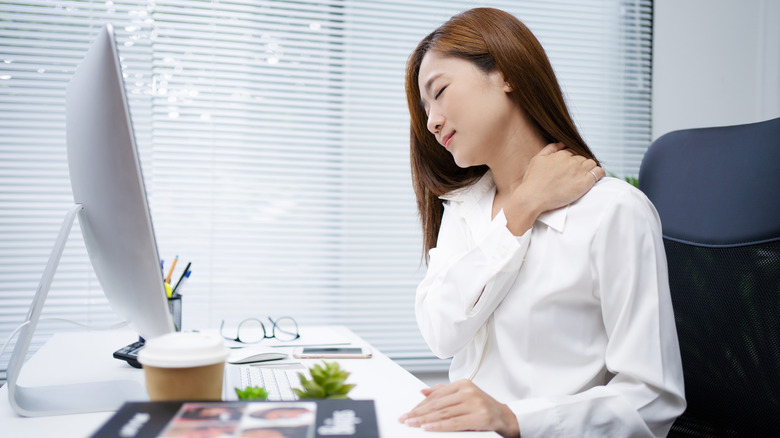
(186, 270)
(173, 265)
(168, 290)
(162, 269)
(176, 289)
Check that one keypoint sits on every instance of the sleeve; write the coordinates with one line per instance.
(645, 394)
(465, 280)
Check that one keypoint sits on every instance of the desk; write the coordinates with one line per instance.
(73, 357)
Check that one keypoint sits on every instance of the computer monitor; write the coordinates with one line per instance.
(105, 175)
(110, 201)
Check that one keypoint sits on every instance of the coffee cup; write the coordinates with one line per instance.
(184, 366)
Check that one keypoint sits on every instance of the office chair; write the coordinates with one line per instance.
(717, 191)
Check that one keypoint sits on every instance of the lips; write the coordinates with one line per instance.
(447, 139)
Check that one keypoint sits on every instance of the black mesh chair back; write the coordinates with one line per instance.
(717, 191)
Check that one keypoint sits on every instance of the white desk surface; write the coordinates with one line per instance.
(73, 357)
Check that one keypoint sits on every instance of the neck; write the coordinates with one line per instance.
(509, 165)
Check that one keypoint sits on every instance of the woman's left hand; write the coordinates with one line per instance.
(461, 405)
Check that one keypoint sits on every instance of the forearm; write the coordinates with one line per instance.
(451, 309)
(620, 409)
(461, 291)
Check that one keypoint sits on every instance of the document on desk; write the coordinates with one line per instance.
(298, 419)
(314, 336)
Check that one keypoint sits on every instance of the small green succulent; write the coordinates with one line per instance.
(252, 393)
(326, 381)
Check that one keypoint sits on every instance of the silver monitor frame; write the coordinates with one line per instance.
(110, 201)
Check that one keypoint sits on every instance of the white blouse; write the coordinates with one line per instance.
(571, 324)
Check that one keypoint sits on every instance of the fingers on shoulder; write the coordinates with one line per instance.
(590, 166)
(552, 148)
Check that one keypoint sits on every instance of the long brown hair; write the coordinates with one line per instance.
(491, 39)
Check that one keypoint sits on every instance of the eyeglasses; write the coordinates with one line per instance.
(252, 330)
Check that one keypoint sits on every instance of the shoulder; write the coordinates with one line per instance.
(614, 191)
(613, 197)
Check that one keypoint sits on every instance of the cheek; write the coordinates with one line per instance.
(486, 110)
(495, 118)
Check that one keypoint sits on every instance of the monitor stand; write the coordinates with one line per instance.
(61, 399)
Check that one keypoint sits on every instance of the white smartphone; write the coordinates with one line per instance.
(332, 353)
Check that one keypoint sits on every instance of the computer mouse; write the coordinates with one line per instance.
(250, 356)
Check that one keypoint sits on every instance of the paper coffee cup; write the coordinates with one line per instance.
(184, 366)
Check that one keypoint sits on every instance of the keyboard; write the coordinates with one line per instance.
(278, 381)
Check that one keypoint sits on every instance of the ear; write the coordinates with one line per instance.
(507, 87)
(497, 80)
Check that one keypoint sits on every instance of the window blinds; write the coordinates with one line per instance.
(274, 143)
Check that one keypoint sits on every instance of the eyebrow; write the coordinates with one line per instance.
(428, 84)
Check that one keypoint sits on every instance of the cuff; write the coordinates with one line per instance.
(537, 417)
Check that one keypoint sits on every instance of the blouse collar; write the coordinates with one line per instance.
(468, 197)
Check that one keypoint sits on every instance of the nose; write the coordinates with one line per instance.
(435, 121)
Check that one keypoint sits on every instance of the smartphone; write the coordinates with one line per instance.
(332, 353)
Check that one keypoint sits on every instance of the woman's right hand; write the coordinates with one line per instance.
(555, 177)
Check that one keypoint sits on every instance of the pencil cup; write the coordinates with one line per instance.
(174, 305)
(184, 366)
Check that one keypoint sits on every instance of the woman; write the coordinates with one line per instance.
(546, 286)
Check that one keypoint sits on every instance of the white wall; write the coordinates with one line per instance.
(715, 62)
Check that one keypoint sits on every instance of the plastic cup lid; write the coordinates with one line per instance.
(183, 350)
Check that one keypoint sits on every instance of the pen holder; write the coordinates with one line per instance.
(174, 305)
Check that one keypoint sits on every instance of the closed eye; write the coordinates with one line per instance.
(439, 93)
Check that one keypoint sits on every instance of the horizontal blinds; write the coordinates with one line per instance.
(274, 145)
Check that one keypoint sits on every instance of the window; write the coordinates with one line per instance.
(274, 142)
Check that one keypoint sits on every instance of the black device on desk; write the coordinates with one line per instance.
(129, 353)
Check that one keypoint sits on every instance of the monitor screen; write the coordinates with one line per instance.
(106, 178)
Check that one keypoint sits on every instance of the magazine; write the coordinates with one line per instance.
(243, 419)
